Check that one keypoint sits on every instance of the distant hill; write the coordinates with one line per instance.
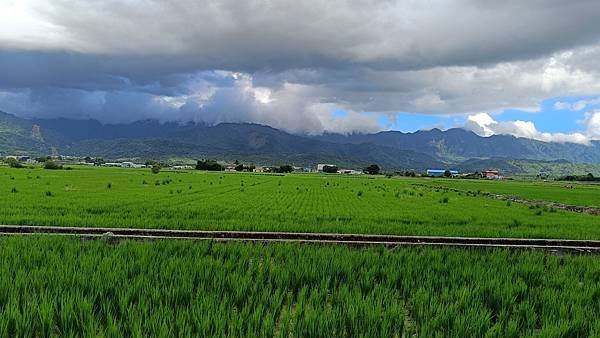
(260, 144)
(456, 145)
(530, 167)
(153, 140)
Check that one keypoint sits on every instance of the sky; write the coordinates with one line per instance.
(523, 68)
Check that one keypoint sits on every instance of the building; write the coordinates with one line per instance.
(112, 164)
(350, 171)
(491, 174)
(320, 166)
(182, 167)
(440, 172)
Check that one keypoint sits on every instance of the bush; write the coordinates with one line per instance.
(13, 163)
(373, 169)
(209, 165)
(155, 169)
(51, 165)
(331, 169)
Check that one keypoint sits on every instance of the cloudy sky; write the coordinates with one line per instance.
(526, 68)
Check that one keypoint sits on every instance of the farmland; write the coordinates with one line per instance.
(302, 203)
(58, 286)
(575, 193)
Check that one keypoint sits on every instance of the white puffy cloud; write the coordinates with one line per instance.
(484, 125)
(592, 124)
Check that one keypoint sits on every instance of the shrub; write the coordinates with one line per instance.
(51, 165)
(373, 169)
(209, 165)
(49, 193)
(155, 169)
(13, 163)
(13, 190)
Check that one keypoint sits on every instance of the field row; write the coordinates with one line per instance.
(573, 193)
(298, 203)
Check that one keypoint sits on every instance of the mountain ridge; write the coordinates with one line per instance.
(267, 145)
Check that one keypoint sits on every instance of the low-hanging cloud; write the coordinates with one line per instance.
(484, 125)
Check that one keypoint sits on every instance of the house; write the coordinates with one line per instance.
(320, 166)
(440, 172)
(259, 169)
(182, 167)
(112, 164)
(491, 174)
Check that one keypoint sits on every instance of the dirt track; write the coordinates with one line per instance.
(586, 246)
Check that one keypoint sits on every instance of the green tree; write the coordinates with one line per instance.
(373, 169)
(155, 169)
(13, 163)
(209, 165)
(51, 165)
(286, 168)
(331, 169)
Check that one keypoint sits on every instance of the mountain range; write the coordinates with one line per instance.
(261, 144)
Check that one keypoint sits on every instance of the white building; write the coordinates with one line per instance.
(321, 165)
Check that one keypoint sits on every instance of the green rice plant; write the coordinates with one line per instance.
(56, 286)
(272, 203)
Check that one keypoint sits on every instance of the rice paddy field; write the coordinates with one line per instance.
(52, 286)
(117, 197)
(575, 193)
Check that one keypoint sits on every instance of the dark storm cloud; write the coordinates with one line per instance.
(118, 61)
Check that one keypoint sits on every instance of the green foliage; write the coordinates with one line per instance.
(331, 169)
(53, 286)
(583, 178)
(51, 165)
(373, 169)
(13, 163)
(283, 169)
(155, 169)
(209, 165)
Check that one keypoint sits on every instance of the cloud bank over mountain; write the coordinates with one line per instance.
(293, 65)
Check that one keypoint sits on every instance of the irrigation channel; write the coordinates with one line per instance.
(583, 246)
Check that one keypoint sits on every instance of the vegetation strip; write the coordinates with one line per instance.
(358, 239)
(556, 205)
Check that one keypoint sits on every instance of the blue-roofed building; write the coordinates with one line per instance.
(440, 172)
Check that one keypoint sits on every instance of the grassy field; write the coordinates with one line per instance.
(59, 286)
(231, 201)
(575, 193)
